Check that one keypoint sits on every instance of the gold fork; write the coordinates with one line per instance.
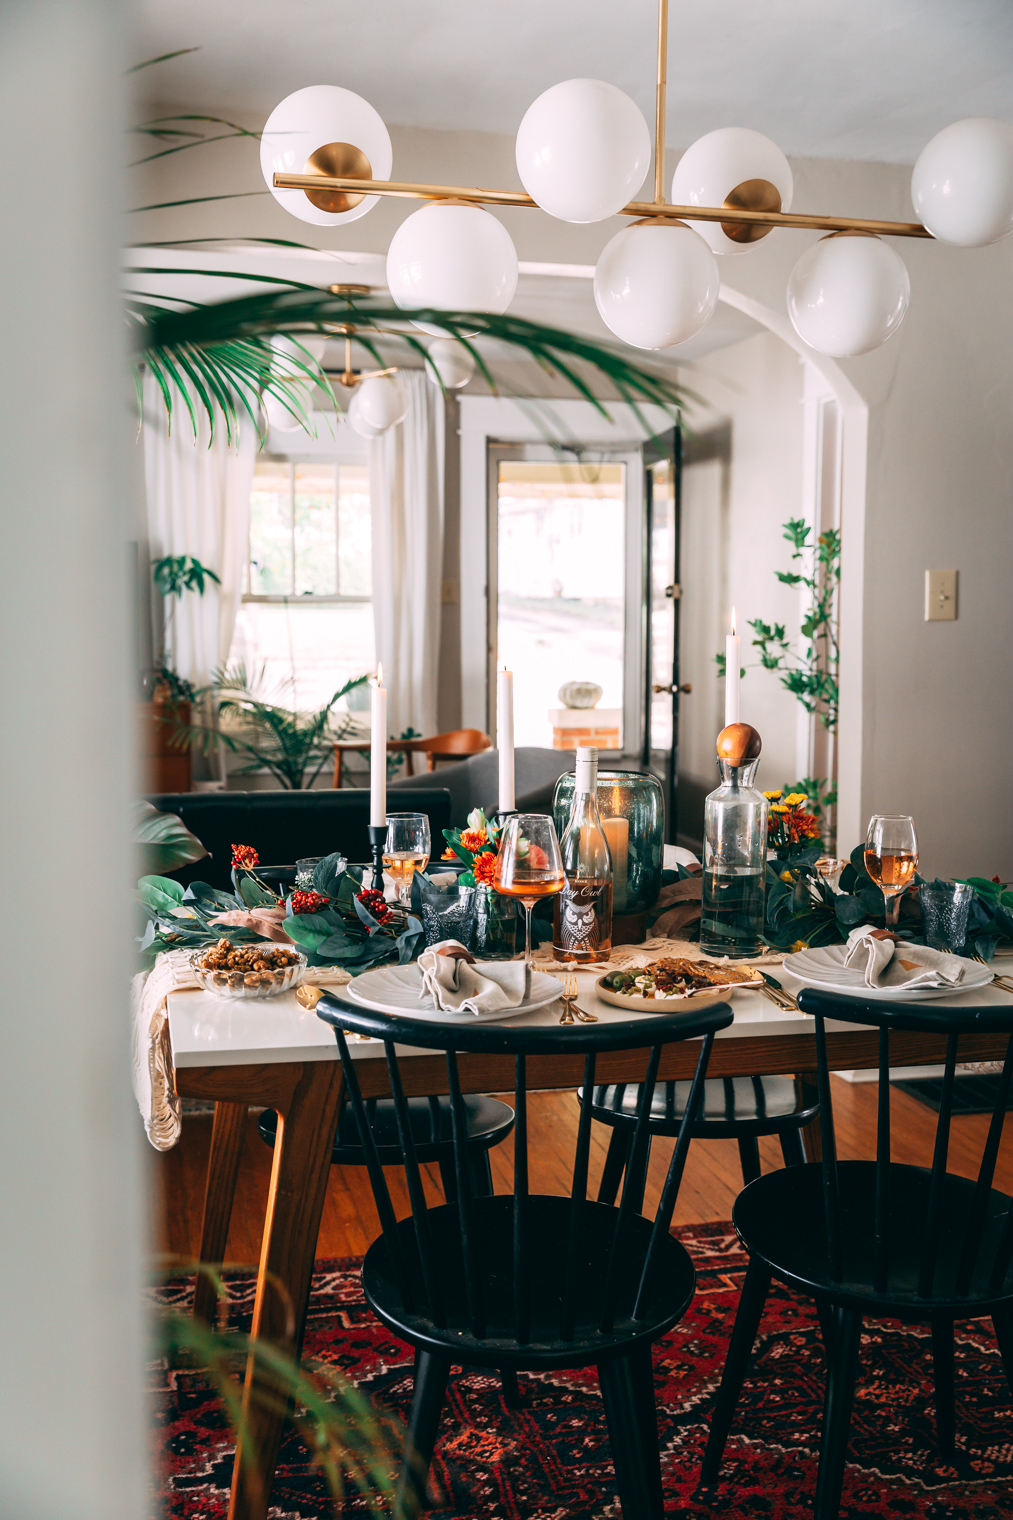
(566, 1017)
(998, 979)
(570, 993)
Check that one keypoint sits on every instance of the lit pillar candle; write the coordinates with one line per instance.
(505, 739)
(617, 832)
(732, 668)
(378, 750)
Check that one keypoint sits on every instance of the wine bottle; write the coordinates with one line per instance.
(582, 913)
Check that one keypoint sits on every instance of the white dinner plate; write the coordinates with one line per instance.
(825, 968)
(398, 989)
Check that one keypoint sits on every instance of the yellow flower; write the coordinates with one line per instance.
(800, 944)
(788, 877)
(772, 796)
(779, 807)
(796, 799)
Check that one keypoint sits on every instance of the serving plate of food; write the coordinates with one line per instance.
(672, 980)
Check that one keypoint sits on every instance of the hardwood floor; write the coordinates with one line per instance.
(711, 1181)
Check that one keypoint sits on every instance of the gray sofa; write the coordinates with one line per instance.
(475, 782)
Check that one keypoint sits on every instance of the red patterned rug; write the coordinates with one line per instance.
(550, 1459)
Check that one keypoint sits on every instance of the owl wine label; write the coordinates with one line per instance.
(582, 912)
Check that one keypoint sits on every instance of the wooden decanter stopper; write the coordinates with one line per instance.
(738, 744)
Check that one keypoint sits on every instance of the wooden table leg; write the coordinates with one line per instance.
(227, 1135)
(808, 1092)
(307, 1119)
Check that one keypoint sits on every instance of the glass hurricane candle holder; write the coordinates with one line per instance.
(632, 810)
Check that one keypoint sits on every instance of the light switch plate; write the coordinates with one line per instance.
(940, 596)
(449, 593)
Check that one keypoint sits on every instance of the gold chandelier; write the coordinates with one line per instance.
(582, 146)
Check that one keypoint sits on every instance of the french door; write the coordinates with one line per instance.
(662, 551)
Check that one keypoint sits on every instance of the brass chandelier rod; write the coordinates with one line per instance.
(658, 209)
(640, 209)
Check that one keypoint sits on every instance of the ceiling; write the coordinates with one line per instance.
(859, 79)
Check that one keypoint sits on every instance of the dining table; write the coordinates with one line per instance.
(276, 1053)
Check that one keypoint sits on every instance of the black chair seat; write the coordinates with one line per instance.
(774, 1218)
(732, 1106)
(488, 1123)
(671, 1285)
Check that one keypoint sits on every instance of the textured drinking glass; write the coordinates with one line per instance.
(447, 912)
(529, 865)
(945, 906)
(891, 858)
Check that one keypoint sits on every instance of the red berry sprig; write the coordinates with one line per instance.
(244, 857)
(374, 903)
(309, 902)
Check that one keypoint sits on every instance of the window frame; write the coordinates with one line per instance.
(304, 598)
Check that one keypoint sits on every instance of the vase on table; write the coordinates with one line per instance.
(734, 851)
(631, 807)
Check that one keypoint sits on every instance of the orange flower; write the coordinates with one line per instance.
(450, 853)
(484, 869)
(474, 840)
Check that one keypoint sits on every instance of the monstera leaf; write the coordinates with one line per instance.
(166, 843)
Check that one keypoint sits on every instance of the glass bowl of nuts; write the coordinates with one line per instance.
(248, 971)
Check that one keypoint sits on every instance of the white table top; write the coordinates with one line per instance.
(211, 1031)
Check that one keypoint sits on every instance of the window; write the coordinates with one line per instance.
(306, 620)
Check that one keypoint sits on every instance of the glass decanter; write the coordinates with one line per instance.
(734, 851)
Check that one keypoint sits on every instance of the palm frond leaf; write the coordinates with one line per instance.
(234, 336)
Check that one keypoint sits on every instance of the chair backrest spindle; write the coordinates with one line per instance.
(522, 1307)
(831, 1186)
(986, 1174)
(933, 1221)
(416, 1192)
(578, 1196)
(676, 1167)
(377, 1181)
(634, 1169)
(881, 1242)
(472, 1286)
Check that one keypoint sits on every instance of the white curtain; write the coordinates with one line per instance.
(198, 499)
(406, 494)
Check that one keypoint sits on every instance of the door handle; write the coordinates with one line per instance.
(673, 592)
(671, 690)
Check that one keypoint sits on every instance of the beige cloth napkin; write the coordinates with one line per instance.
(460, 986)
(160, 1105)
(884, 963)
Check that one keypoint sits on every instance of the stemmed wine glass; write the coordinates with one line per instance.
(529, 865)
(891, 858)
(406, 851)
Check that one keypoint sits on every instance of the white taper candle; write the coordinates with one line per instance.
(378, 750)
(505, 739)
(732, 668)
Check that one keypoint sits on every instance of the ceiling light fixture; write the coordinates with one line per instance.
(583, 150)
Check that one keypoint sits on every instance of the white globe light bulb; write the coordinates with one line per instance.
(452, 258)
(379, 403)
(737, 166)
(656, 284)
(450, 363)
(583, 150)
(962, 185)
(357, 421)
(283, 420)
(342, 134)
(847, 294)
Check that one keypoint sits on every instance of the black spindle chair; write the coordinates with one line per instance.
(528, 1281)
(877, 1238)
(733, 1108)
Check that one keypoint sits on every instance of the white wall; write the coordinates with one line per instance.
(757, 387)
(926, 718)
(73, 1442)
